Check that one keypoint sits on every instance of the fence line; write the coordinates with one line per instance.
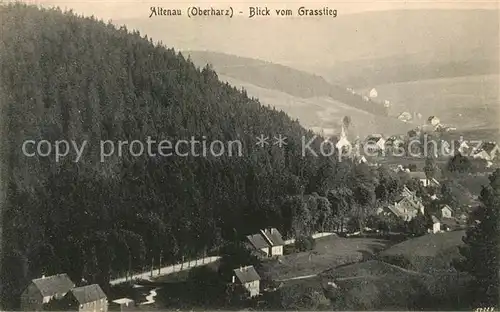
(147, 275)
(166, 270)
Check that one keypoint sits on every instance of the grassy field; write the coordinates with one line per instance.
(428, 253)
(375, 285)
(329, 252)
(469, 102)
(323, 112)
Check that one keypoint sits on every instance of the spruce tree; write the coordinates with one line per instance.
(482, 246)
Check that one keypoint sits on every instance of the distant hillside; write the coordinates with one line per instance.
(362, 49)
(263, 74)
(281, 78)
(323, 112)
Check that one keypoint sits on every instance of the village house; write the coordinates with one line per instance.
(446, 212)
(248, 278)
(461, 147)
(88, 298)
(434, 121)
(268, 241)
(436, 225)
(259, 243)
(375, 143)
(373, 93)
(445, 147)
(487, 151)
(42, 290)
(406, 207)
(275, 241)
(422, 178)
(405, 117)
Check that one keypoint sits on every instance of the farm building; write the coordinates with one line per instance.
(268, 241)
(88, 298)
(248, 278)
(434, 121)
(44, 289)
(375, 142)
(446, 212)
(436, 225)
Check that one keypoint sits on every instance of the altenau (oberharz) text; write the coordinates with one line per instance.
(160, 11)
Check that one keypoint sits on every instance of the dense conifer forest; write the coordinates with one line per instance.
(66, 77)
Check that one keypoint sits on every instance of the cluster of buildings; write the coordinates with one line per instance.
(267, 243)
(408, 205)
(59, 290)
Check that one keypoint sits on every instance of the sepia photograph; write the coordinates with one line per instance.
(249, 155)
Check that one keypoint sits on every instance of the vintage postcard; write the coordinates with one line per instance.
(249, 155)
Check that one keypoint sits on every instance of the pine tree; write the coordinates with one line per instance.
(482, 246)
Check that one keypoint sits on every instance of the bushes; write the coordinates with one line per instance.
(305, 243)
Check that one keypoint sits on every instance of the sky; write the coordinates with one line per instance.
(298, 42)
(115, 9)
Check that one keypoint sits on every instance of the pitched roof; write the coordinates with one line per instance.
(395, 211)
(89, 293)
(274, 237)
(258, 241)
(489, 147)
(417, 174)
(55, 284)
(448, 207)
(246, 274)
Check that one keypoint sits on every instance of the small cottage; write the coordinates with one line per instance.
(436, 225)
(258, 242)
(248, 278)
(90, 298)
(42, 290)
(433, 120)
(275, 241)
(446, 212)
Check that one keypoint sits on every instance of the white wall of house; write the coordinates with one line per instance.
(277, 251)
(446, 213)
(253, 287)
(265, 250)
(436, 227)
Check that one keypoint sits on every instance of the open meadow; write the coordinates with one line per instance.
(469, 102)
(329, 252)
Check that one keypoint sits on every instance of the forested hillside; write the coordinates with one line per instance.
(66, 77)
(282, 78)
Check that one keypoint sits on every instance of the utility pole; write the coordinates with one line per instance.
(152, 265)
(130, 266)
(159, 268)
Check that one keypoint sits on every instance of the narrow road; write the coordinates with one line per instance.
(355, 277)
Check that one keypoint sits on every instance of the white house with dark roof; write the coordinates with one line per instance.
(42, 290)
(375, 142)
(90, 298)
(436, 225)
(268, 241)
(446, 212)
(258, 242)
(275, 241)
(248, 278)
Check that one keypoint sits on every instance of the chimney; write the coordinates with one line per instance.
(234, 279)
